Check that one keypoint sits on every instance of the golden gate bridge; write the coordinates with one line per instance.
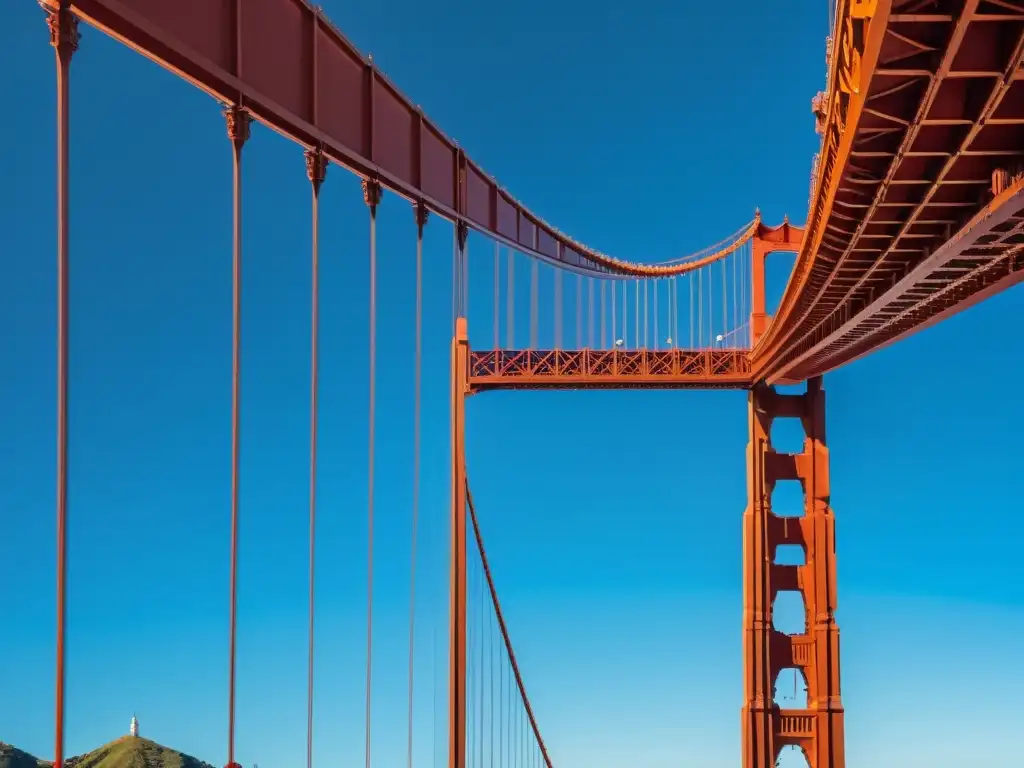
(915, 214)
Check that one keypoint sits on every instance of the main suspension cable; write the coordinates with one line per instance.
(504, 628)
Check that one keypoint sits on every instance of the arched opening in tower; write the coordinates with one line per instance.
(777, 268)
(790, 689)
(792, 757)
(787, 435)
(788, 499)
(790, 554)
(789, 613)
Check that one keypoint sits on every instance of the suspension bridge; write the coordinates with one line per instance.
(915, 213)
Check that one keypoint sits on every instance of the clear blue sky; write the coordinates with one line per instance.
(613, 519)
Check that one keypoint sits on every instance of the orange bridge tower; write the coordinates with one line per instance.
(814, 654)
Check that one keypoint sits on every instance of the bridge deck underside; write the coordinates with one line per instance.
(610, 369)
(915, 233)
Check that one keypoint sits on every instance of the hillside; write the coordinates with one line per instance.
(127, 752)
(12, 757)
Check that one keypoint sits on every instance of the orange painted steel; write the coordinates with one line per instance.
(64, 38)
(817, 730)
(934, 149)
(985, 257)
(916, 212)
(457, 585)
(852, 55)
(286, 64)
(766, 241)
(609, 369)
(308, 82)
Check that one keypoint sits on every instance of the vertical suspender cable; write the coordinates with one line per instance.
(371, 194)
(669, 337)
(748, 269)
(501, 712)
(689, 304)
(511, 299)
(579, 311)
(511, 716)
(316, 168)
(497, 295)
(558, 309)
(421, 220)
(470, 665)
(725, 301)
(700, 307)
(525, 709)
(735, 297)
(657, 339)
(433, 708)
(238, 132)
(646, 316)
(711, 305)
(456, 285)
(464, 272)
(64, 39)
(480, 670)
(590, 313)
(614, 318)
(675, 313)
(490, 688)
(604, 327)
(534, 308)
(745, 281)
(625, 316)
(636, 319)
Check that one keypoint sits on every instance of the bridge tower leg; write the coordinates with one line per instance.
(765, 242)
(457, 585)
(766, 728)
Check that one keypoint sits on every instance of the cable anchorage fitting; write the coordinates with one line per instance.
(421, 212)
(372, 192)
(316, 167)
(238, 121)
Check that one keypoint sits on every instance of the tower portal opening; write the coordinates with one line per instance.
(790, 689)
(788, 499)
(789, 613)
(792, 757)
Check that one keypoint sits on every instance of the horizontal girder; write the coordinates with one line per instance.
(925, 102)
(913, 231)
(609, 369)
(305, 80)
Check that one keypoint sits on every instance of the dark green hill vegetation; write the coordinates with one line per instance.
(127, 752)
(12, 757)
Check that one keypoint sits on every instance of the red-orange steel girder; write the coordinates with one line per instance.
(457, 584)
(766, 728)
(933, 132)
(982, 259)
(854, 51)
(285, 63)
(609, 369)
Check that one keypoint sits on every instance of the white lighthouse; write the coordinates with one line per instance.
(134, 728)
